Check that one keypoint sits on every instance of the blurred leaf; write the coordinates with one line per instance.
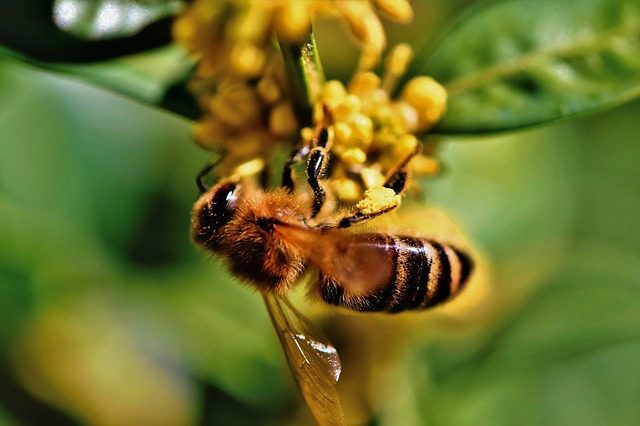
(157, 78)
(221, 331)
(612, 208)
(101, 168)
(16, 301)
(28, 27)
(516, 178)
(521, 63)
(19, 407)
(565, 357)
(61, 356)
(108, 19)
(5, 420)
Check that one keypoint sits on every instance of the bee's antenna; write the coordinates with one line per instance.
(205, 171)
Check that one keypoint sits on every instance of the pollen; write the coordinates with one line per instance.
(377, 200)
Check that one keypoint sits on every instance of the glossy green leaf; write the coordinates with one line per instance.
(108, 19)
(31, 28)
(520, 63)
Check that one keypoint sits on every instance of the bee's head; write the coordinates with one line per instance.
(213, 210)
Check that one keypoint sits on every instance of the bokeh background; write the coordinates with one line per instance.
(109, 316)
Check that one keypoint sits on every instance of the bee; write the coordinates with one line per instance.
(269, 239)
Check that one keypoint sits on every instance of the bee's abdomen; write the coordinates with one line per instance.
(427, 273)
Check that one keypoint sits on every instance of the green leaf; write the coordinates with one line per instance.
(108, 19)
(156, 78)
(520, 63)
(28, 27)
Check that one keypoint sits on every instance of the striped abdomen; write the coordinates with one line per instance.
(426, 273)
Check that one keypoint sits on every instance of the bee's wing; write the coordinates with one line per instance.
(313, 361)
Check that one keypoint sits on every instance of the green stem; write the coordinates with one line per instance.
(305, 75)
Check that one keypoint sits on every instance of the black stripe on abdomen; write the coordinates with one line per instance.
(422, 276)
(442, 282)
(412, 274)
(466, 266)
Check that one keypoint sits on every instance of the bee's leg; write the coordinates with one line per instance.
(397, 179)
(398, 176)
(358, 217)
(317, 165)
(296, 156)
(355, 218)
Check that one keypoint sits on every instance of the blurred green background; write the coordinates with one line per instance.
(109, 316)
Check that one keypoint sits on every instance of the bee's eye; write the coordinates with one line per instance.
(212, 212)
(222, 204)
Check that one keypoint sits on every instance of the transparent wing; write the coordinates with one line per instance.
(313, 361)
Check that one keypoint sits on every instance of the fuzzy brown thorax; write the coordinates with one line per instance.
(241, 224)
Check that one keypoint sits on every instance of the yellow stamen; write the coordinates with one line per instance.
(344, 134)
(363, 129)
(248, 60)
(399, 10)
(429, 99)
(268, 90)
(396, 65)
(425, 165)
(347, 189)
(292, 21)
(282, 121)
(372, 177)
(210, 133)
(250, 168)
(353, 156)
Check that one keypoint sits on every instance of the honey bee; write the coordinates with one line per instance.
(270, 238)
(268, 241)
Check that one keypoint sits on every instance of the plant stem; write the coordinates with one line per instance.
(305, 75)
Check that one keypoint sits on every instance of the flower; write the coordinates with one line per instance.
(373, 133)
(233, 37)
(245, 120)
(241, 85)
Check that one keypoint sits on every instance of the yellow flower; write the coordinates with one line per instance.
(233, 37)
(241, 85)
(245, 120)
(373, 133)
